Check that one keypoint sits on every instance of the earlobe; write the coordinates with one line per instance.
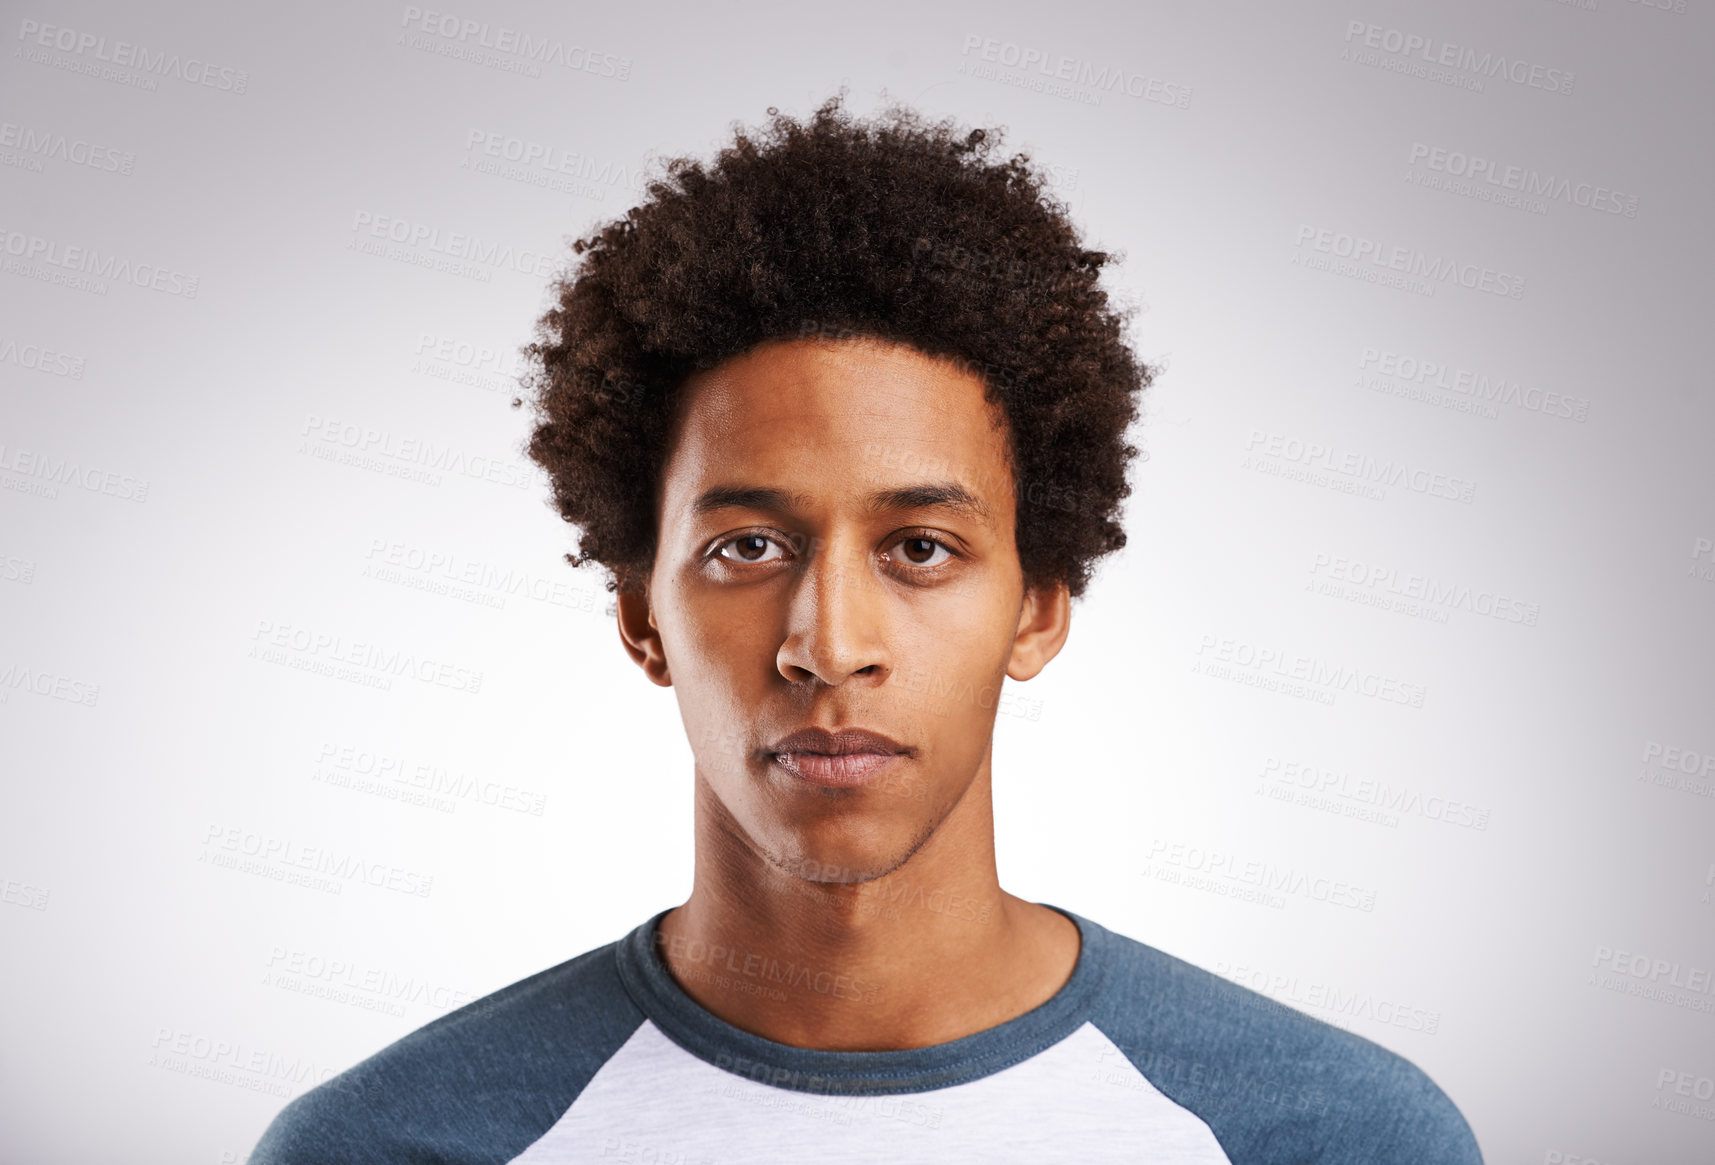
(640, 637)
(1044, 621)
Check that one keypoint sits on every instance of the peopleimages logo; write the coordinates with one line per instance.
(536, 50)
(37, 358)
(1219, 655)
(1071, 71)
(1386, 580)
(17, 677)
(1359, 467)
(1408, 261)
(1372, 791)
(1684, 760)
(408, 452)
(1347, 1004)
(49, 472)
(50, 145)
(366, 662)
(1685, 1086)
(1263, 875)
(352, 975)
(1522, 180)
(1414, 47)
(447, 572)
(545, 165)
(453, 245)
(125, 55)
(1659, 980)
(1439, 374)
(489, 367)
(232, 1062)
(88, 267)
(340, 866)
(1699, 547)
(340, 764)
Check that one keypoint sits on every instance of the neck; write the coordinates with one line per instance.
(930, 952)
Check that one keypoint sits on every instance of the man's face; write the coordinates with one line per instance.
(836, 551)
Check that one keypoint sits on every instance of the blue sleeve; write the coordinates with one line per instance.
(477, 1085)
(1273, 1084)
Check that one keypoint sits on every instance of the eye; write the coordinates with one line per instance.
(920, 551)
(752, 548)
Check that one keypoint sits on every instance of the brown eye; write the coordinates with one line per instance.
(917, 550)
(751, 548)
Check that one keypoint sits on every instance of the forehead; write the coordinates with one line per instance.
(832, 418)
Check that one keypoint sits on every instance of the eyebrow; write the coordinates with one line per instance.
(941, 495)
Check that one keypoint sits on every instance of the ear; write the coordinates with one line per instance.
(642, 640)
(1044, 621)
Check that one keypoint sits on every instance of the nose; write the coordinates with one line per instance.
(836, 619)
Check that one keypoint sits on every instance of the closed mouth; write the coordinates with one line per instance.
(847, 757)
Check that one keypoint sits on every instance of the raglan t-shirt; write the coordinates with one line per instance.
(1139, 1057)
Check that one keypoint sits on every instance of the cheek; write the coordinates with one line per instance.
(717, 704)
(717, 649)
(971, 633)
(956, 686)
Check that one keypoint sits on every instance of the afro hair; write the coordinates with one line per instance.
(890, 228)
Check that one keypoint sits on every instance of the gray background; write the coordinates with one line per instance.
(213, 499)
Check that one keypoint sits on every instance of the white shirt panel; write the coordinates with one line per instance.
(1080, 1101)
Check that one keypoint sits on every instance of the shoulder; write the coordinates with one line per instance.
(1272, 1083)
(478, 1084)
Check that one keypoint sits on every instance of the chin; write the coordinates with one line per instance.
(840, 856)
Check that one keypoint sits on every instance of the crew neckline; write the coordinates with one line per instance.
(708, 1037)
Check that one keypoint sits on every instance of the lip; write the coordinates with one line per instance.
(836, 759)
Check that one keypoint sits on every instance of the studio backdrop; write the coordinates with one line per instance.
(1398, 706)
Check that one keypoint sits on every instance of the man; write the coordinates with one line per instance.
(844, 416)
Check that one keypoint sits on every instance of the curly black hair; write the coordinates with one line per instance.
(890, 229)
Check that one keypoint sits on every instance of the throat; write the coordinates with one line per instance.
(870, 973)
